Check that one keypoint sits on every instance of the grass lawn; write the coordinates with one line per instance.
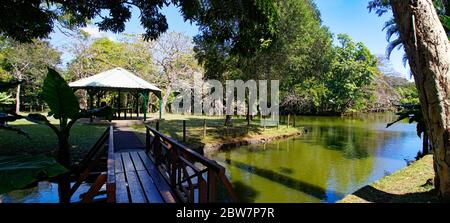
(216, 132)
(405, 186)
(43, 140)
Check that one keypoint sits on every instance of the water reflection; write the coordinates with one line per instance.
(44, 192)
(336, 157)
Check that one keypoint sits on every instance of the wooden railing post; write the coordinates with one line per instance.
(184, 130)
(202, 190)
(204, 128)
(147, 139)
(288, 120)
(211, 186)
(179, 168)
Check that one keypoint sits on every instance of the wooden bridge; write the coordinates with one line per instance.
(161, 171)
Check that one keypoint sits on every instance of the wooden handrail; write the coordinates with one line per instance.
(203, 160)
(177, 163)
(111, 178)
(92, 159)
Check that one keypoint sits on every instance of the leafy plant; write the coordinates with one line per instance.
(413, 113)
(64, 106)
(17, 172)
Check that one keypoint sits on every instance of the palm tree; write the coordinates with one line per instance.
(414, 115)
(392, 33)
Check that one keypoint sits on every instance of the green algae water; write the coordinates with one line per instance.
(336, 157)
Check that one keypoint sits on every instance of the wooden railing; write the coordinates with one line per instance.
(104, 145)
(193, 177)
(111, 178)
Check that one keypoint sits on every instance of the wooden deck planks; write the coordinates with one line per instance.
(136, 192)
(118, 166)
(138, 165)
(127, 163)
(121, 189)
(138, 180)
(150, 189)
(159, 181)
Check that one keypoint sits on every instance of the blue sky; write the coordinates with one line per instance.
(353, 17)
(341, 16)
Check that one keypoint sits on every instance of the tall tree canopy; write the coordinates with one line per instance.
(240, 25)
(28, 62)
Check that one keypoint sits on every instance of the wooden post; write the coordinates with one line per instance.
(211, 186)
(118, 105)
(145, 105)
(204, 128)
(147, 140)
(184, 130)
(137, 104)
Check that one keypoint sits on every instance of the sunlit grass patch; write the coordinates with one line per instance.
(44, 141)
(409, 185)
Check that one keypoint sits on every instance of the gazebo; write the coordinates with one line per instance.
(118, 80)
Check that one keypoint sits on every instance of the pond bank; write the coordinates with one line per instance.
(409, 185)
(213, 148)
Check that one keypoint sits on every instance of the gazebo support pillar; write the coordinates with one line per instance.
(118, 105)
(137, 104)
(145, 94)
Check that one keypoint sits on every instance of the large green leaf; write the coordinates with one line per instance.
(59, 96)
(17, 172)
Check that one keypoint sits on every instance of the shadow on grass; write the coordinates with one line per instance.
(44, 141)
(375, 195)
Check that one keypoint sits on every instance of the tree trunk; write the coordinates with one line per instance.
(425, 144)
(64, 179)
(165, 98)
(228, 121)
(18, 99)
(428, 50)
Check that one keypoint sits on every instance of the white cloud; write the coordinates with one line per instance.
(95, 33)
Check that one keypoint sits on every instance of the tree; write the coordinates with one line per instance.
(239, 24)
(92, 56)
(353, 67)
(174, 55)
(391, 28)
(301, 51)
(428, 49)
(28, 62)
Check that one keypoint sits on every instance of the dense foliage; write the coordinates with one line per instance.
(238, 25)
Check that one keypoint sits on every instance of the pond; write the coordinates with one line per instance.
(336, 157)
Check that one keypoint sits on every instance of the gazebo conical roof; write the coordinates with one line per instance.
(115, 79)
(118, 79)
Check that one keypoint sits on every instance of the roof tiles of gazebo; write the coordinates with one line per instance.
(115, 79)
